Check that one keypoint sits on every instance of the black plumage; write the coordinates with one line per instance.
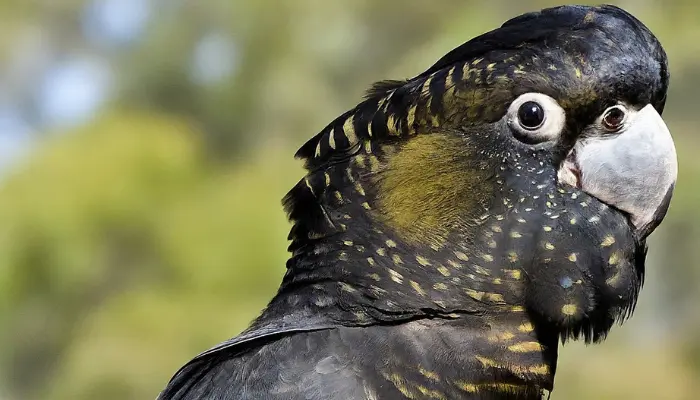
(434, 255)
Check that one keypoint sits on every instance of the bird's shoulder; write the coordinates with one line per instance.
(418, 359)
(321, 364)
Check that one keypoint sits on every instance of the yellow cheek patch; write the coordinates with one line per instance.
(430, 187)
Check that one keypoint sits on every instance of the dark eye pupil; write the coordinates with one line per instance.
(531, 115)
(613, 118)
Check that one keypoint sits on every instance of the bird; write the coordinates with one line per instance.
(453, 228)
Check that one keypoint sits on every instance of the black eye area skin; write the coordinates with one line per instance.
(531, 115)
(614, 118)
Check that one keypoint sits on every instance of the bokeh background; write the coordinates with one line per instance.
(145, 146)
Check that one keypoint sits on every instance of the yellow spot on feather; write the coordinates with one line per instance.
(331, 139)
(308, 185)
(476, 295)
(484, 296)
(416, 286)
(391, 125)
(608, 241)
(431, 393)
(360, 161)
(487, 362)
(541, 369)
(501, 336)
(349, 130)
(359, 188)
(613, 280)
(481, 270)
(615, 258)
(347, 288)
(449, 81)
(526, 347)
(569, 309)
(433, 376)
(513, 273)
(373, 162)
(422, 261)
(509, 388)
(395, 276)
(411, 118)
(512, 256)
(400, 384)
(495, 298)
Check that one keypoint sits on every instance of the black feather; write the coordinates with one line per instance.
(382, 88)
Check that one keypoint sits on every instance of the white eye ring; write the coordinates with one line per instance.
(535, 118)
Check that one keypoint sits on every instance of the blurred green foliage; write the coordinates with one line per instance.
(131, 243)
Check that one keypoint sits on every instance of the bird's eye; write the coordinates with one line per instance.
(531, 115)
(614, 118)
(535, 118)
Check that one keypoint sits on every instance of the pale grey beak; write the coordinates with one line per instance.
(634, 170)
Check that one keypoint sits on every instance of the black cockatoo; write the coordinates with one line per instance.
(452, 228)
